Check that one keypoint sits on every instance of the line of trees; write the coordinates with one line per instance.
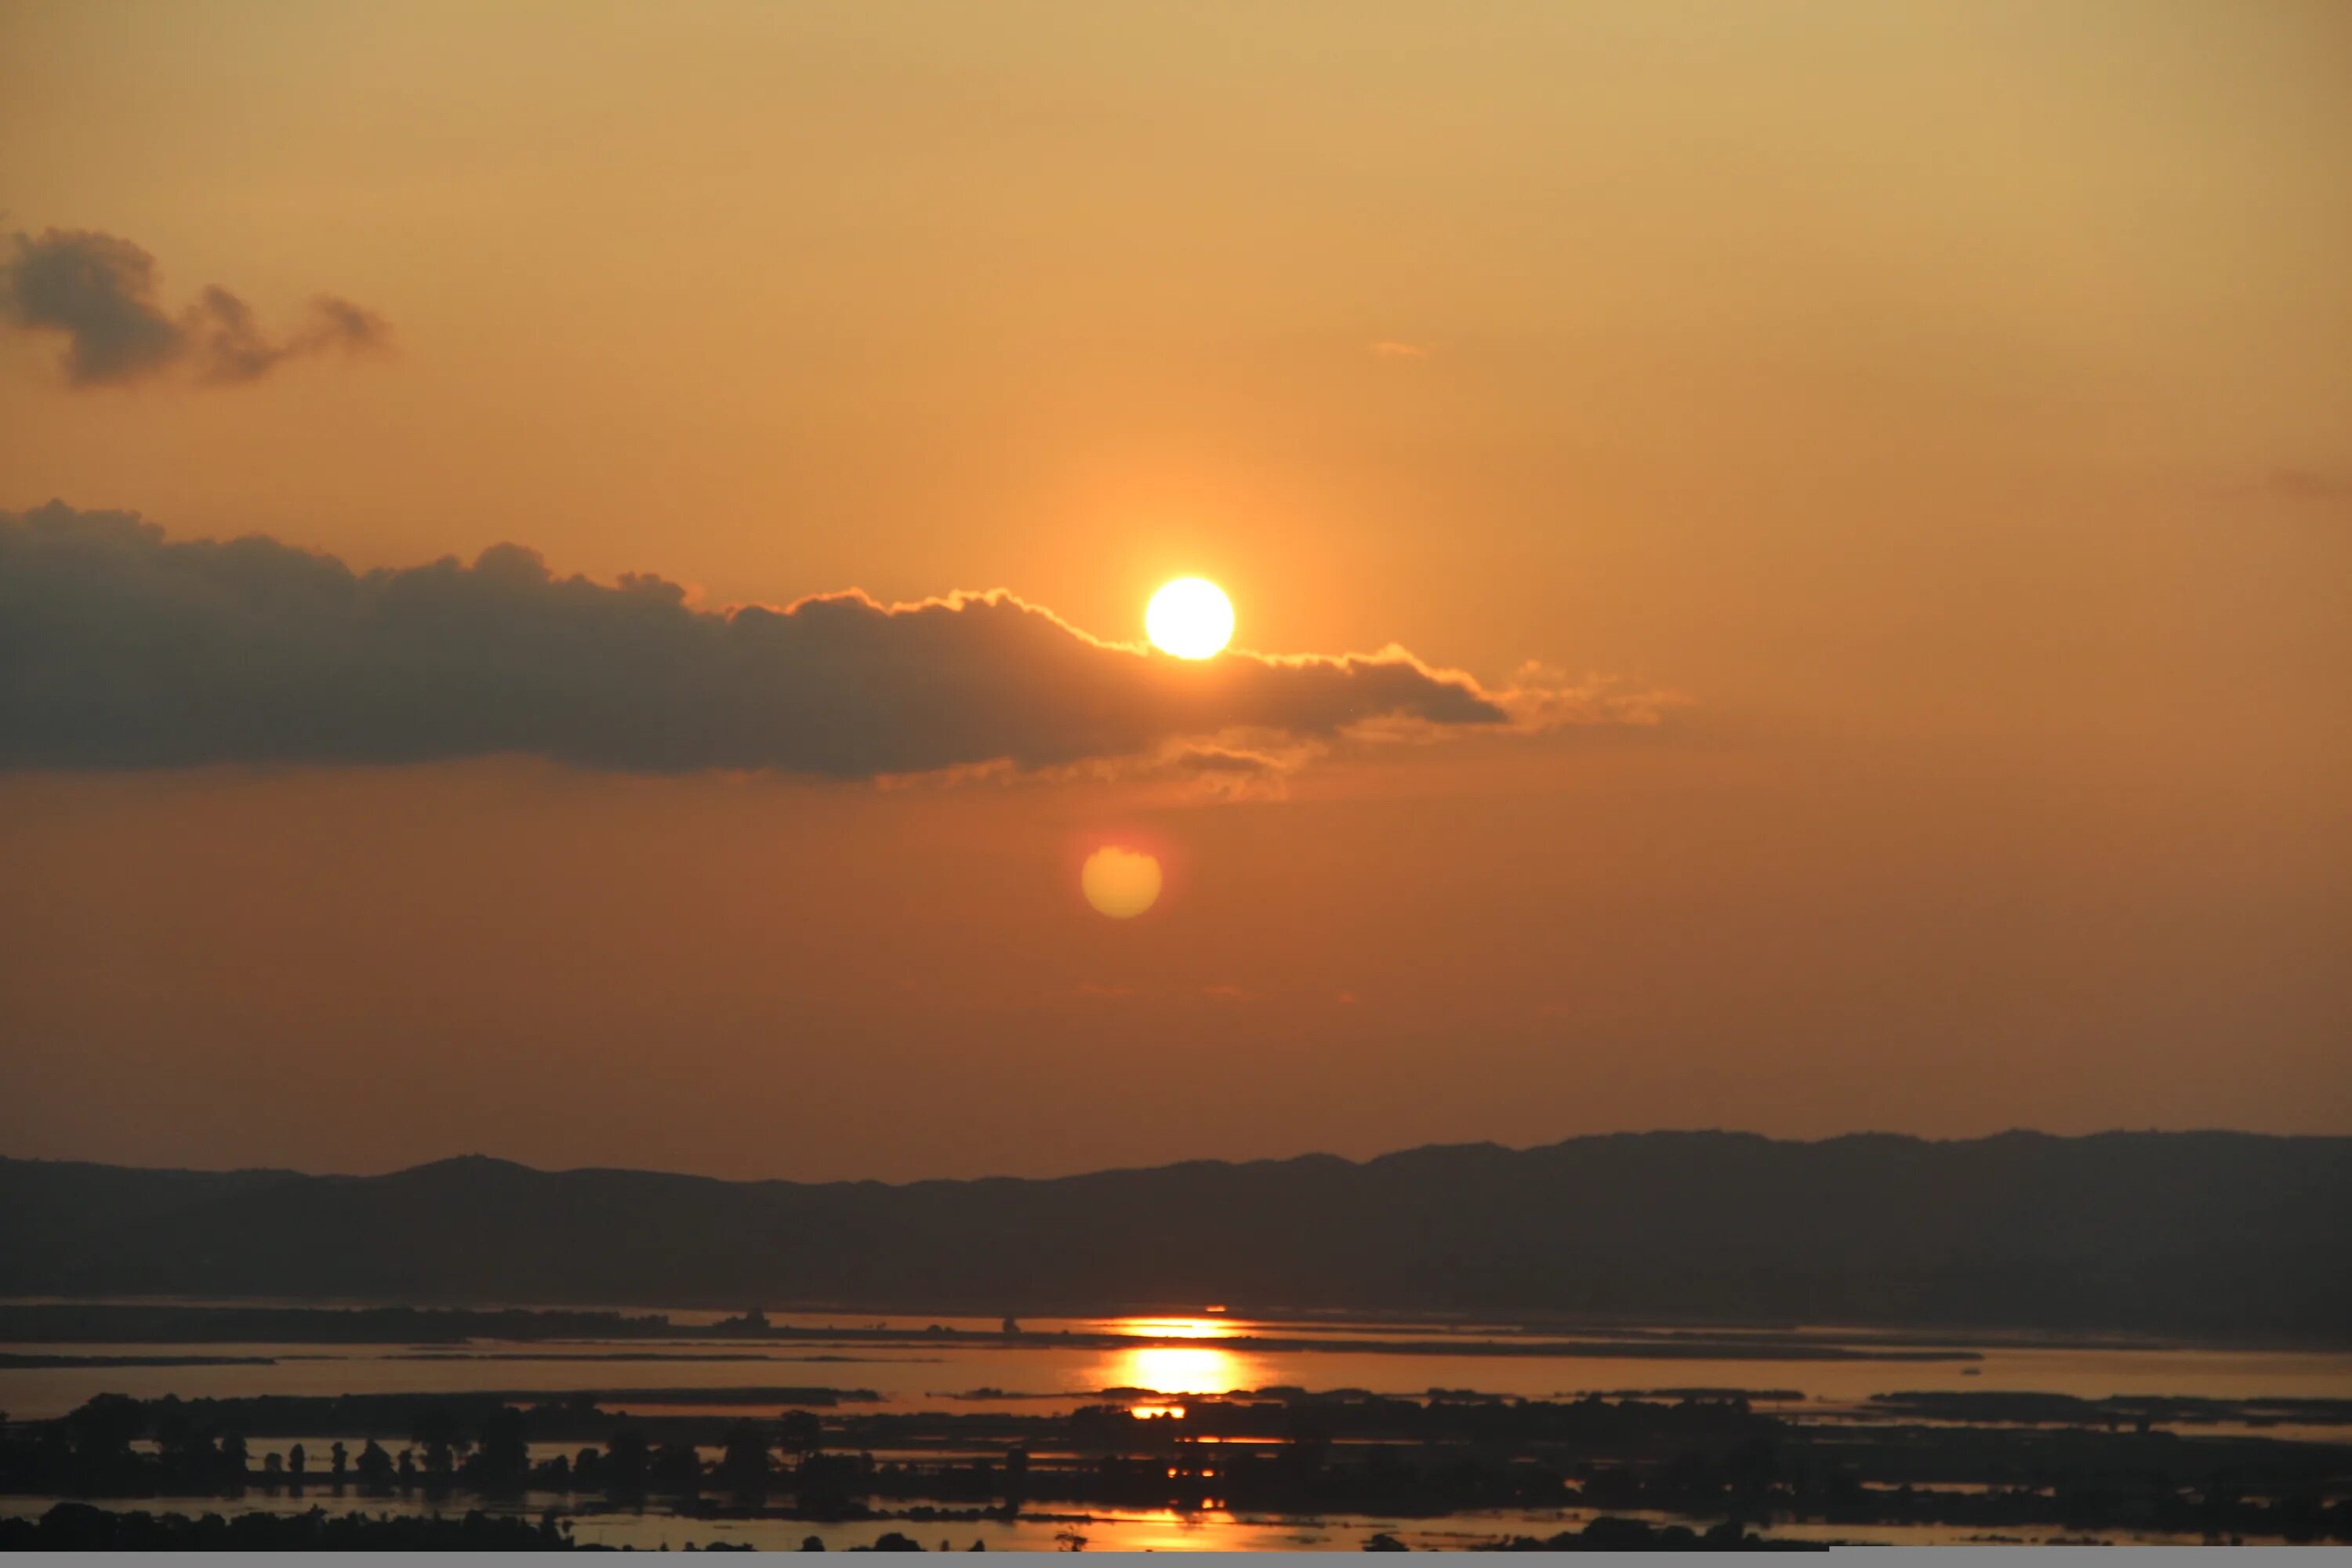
(95, 1452)
(1711, 1459)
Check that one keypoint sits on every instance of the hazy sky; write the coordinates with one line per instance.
(1912, 443)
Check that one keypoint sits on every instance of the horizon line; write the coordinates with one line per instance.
(1317, 1156)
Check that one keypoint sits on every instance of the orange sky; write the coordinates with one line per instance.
(1951, 405)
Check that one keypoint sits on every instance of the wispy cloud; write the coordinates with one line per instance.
(1540, 697)
(99, 294)
(2304, 485)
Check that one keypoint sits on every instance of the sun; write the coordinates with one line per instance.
(1190, 618)
(1121, 883)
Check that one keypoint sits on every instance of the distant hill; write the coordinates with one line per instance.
(2210, 1234)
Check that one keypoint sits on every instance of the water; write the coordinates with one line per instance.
(1104, 1528)
(1039, 1373)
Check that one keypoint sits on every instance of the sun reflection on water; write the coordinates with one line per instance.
(1186, 1369)
(1172, 1328)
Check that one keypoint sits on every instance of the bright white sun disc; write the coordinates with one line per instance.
(1190, 618)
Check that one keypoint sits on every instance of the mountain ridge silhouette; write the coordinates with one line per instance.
(2210, 1234)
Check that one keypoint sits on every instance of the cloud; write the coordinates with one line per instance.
(1216, 770)
(1541, 698)
(1389, 348)
(1241, 764)
(100, 293)
(2303, 485)
(228, 347)
(120, 648)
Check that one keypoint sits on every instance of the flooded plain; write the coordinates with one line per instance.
(1033, 1370)
(845, 1363)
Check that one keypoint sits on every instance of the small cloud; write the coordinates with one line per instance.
(1389, 348)
(1543, 697)
(1344, 999)
(1226, 993)
(338, 324)
(2304, 485)
(1238, 765)
(229, 347)
(100, 293)
(1214, 760)
(1234, 774)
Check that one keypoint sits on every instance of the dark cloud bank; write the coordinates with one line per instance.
(99, 293)
(121, 649)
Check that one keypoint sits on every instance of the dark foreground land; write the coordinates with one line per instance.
(2214, 1235)
(2004, 1463)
